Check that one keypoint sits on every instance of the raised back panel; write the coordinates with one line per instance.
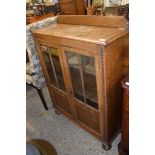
(107, 21)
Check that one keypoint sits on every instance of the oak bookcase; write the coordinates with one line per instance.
(84, 58)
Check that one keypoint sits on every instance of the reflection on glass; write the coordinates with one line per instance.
(57, 67)
(89, 77)
(51, 58)
(48, 65)
(75, 75)
(44, 49)
(72, 60)
(88, 64)
(83, 76)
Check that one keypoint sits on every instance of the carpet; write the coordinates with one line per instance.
(66, 137)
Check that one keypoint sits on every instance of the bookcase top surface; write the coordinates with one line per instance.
(93, 34)
(93, 29)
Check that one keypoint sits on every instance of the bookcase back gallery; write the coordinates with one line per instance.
(84, 59)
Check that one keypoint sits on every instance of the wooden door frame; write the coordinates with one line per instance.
(98, 68)
(49, 85)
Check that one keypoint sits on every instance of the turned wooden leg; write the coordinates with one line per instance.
(57, 112)
(42, 98)
(106, 146)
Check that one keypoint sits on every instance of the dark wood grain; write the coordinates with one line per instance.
(68, 7)
(80, 7)
(124, 144)
(72, 7)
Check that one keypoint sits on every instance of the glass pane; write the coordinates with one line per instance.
(48, 65)
(57, 67)
(74, 68)
(89, 78)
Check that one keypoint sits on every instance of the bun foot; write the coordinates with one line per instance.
(106, 146)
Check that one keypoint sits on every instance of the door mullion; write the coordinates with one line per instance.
(53, 67)
(80, 67)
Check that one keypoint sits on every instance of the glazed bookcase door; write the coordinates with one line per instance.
(83, 85)
(54, 68)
